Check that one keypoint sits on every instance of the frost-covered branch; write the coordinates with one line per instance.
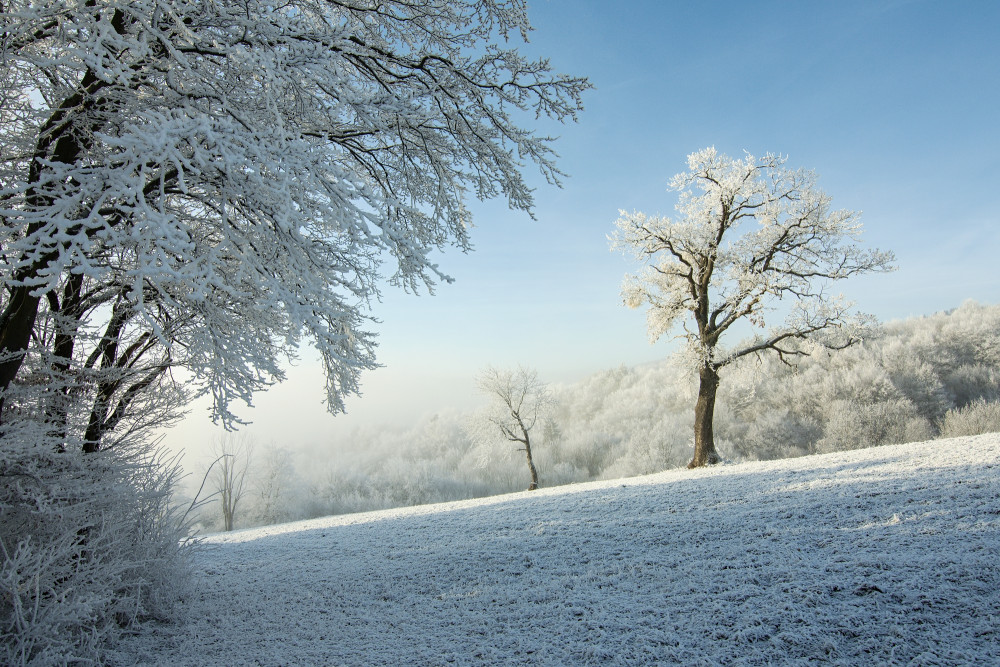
(258, 168)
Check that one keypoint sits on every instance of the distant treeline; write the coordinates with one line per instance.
(920, 378)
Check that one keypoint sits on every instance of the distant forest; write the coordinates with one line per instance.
(921, 378)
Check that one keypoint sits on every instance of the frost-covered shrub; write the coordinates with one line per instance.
(978, 417)
(963, 347)
(915, 378)
(652, 453)
(273, 492)
(777, 434)
(589, 452)
(971, 382)
(90, 545)
(626, 422)
(561, 473)
(855, 424)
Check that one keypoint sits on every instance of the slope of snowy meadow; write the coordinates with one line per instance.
(918, 379)
(888, 555)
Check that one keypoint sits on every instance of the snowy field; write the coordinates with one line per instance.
(879, 556)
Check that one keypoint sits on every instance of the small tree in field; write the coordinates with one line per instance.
(233, 456)
(274, 477)
(748, 233)
(518, 401)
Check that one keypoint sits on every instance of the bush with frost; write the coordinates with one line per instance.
(90, 545)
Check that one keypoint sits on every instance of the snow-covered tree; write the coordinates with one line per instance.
(518, 401)
(204, 186)
(749, 234)
(238, 174)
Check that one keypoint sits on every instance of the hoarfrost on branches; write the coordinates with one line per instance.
(748, 233)
(252, 168)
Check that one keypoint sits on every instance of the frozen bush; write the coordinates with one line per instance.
(978, 417)
(916, 379)
(561, 473)
(778, 434)
(856, 425)
(90, 546)
(971, 382)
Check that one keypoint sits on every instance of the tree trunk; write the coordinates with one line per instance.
(66, 315)
(16, 325)
(704, 415)
(60, 141)
(531, 464)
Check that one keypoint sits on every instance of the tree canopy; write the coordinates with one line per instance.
(233, 177)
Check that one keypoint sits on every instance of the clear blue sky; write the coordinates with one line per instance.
(895, 104)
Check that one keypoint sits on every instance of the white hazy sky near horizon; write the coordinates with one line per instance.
(893, 104)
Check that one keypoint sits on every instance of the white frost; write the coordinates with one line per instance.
(877, 556)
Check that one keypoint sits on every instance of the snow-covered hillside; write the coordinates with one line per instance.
(881, 556)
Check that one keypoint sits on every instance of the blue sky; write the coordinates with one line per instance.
(894, 104)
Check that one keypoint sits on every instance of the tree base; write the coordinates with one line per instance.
(710, 460)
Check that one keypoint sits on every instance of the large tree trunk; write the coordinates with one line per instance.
(531, 464)
(60, 140)
(64, 138)
(704, 415)
(16, 324)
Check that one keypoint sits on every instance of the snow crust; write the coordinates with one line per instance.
(879, 556)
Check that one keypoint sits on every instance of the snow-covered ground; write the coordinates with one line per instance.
(879, 556)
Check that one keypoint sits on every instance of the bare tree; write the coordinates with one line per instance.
(749, 233)
(272, 481)
(233, 454)
(519, 400)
